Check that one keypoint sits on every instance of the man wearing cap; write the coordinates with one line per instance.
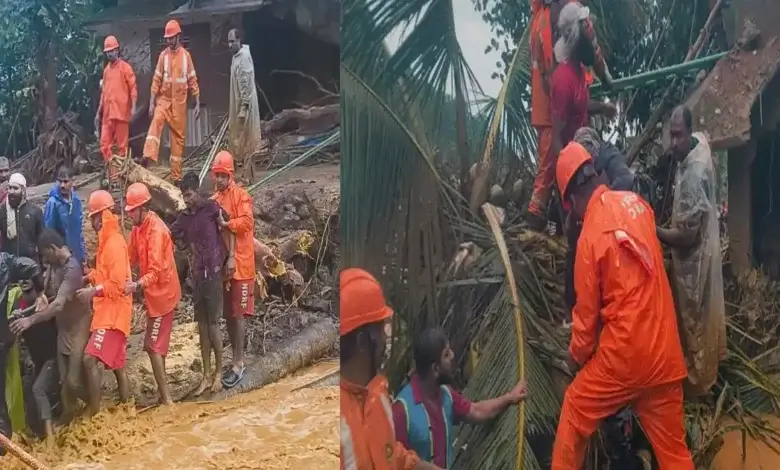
(174, 80)
(570, 103)
(117, 105)
(239, 294)
(112, 307)
(367, 430)
(21, 223)
(151, 249)
(625, 347)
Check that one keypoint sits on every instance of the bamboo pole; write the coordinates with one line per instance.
(491, 214)
(21, 454)
(693, 52)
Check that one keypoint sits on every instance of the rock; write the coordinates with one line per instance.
(303, 212)
(197, 365)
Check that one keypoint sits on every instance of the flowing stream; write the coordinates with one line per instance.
(291, 424)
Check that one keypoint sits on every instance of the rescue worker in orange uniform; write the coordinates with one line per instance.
(112, 307)
(173, 81)
(116, 109)
(625, 347)
(544, 33)
(239, 294)
(151, 248)
(367, 431)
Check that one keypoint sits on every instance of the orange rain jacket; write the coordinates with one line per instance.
(119, 91)
(114, 309)
(151, 248)
(623, 290)
(237, 202)
(174, 78)
(367, 431)
(624, 334)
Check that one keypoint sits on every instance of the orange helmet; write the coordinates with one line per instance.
(361, 300)
(570, 160)
(223, 163)
(172, 28)
(110, 44)
(137, 195)
(99, 201)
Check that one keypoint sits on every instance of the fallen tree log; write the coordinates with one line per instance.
(166, 198)
(299, 351)
(306, 121)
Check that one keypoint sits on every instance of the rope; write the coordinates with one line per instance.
(21, 454)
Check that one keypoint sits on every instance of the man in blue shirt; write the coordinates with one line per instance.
(63, 213)
(427, 408)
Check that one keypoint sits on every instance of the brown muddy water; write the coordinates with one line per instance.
(286, 425)
(758, 455)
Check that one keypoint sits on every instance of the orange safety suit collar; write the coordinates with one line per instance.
(151, 248)
(367, 432)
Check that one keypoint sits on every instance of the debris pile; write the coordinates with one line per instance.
(747, 386)
(65, 144)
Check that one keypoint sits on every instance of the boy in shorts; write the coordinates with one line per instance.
(197, 228)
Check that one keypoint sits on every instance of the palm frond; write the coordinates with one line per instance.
(390, 201)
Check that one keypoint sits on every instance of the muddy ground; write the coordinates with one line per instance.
(304, 198)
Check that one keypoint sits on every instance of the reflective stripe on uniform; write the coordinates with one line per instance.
(151, 137)
(388, 412)
(348, 460)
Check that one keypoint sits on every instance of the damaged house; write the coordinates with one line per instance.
(290, 41)
(738, 106)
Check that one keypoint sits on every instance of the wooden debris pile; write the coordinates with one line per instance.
(64, 144)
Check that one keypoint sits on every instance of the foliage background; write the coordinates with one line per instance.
(48, 61)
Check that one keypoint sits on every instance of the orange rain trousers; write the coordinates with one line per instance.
(545, 172)
(624, 331)
(367, 431)
(151, 248)
(174, 78)
(119, 92)
(237, 202)
(114, 134)
(114, 309)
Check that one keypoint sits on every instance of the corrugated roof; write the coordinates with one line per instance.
(219, 7)
(722, 104)
(134, 11)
